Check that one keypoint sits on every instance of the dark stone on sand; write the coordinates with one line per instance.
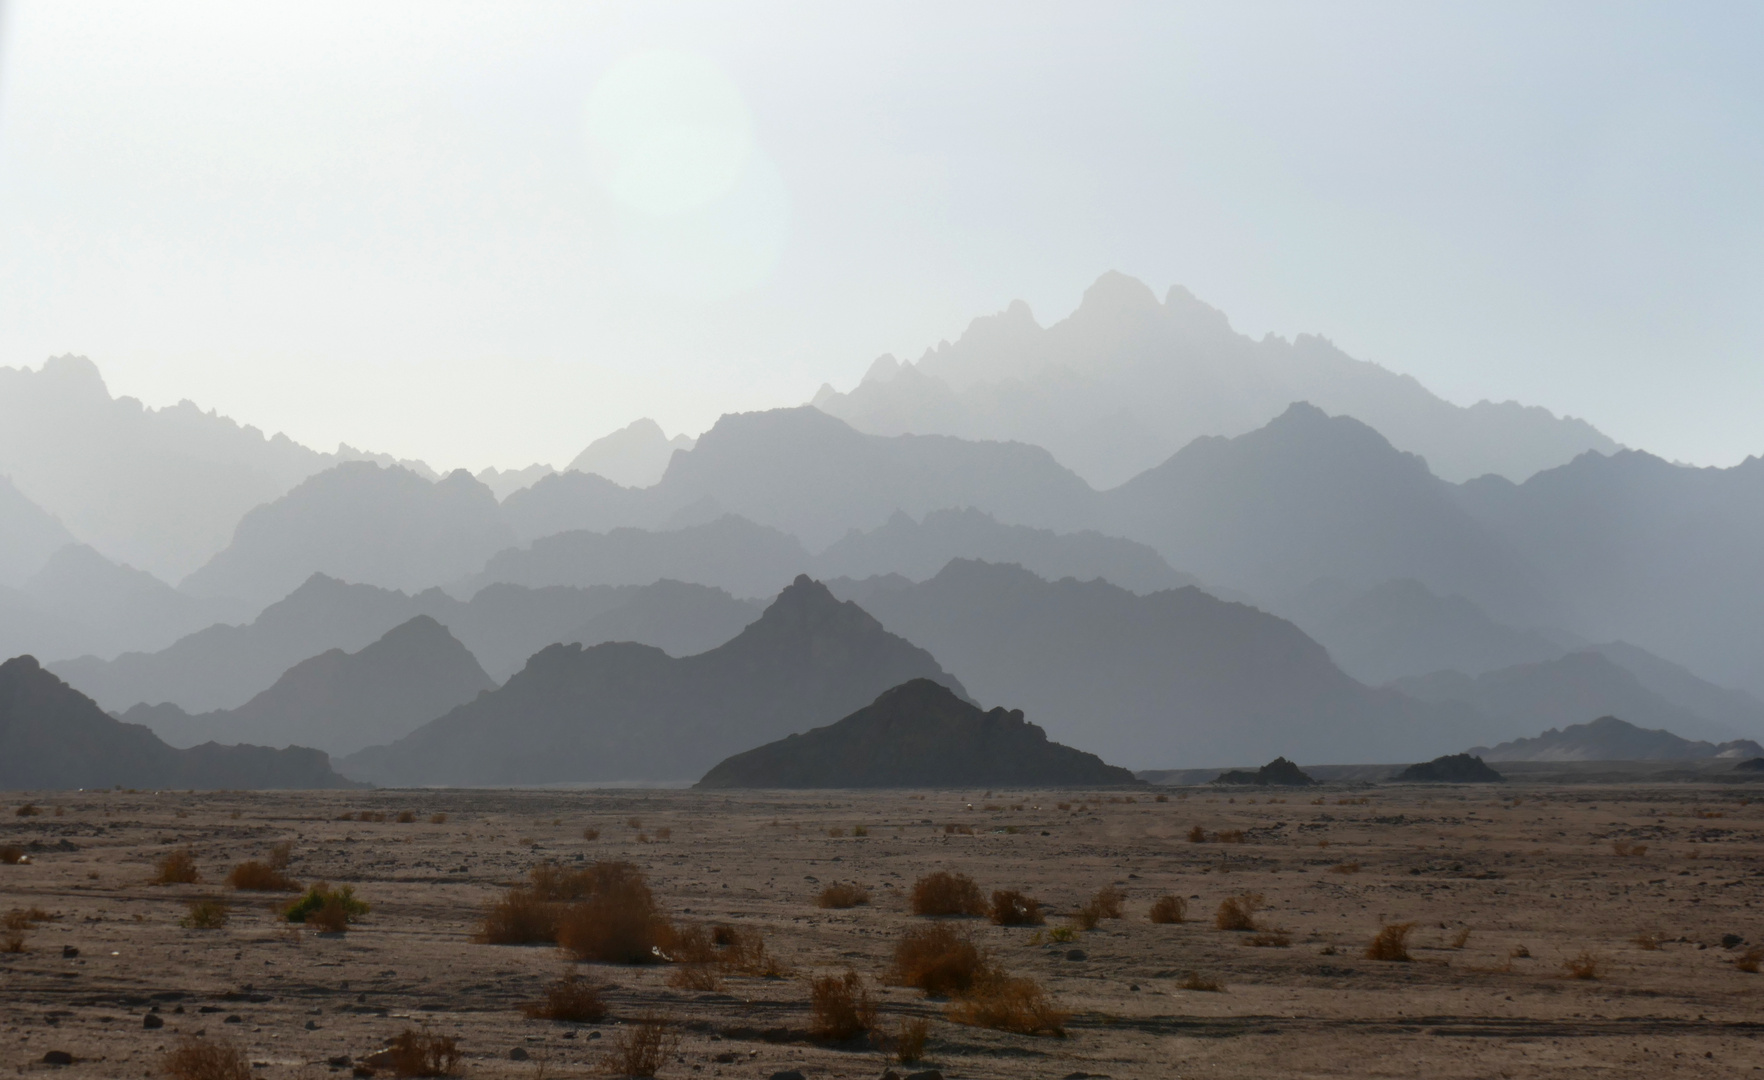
(58, 1057)
(152, 1021)
(1077, 954)
(518, 1054)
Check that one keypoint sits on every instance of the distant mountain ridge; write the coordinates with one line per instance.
(52, 736)
(622, 712)
(1126, 380)
(1611, 739)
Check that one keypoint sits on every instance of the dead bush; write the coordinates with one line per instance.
(1006, 1003)
(1582, 966)
(28, 810)
(572, 999)
(25, 918)
(909, 1040)
(1459, 939)
(744, 953)
(1749, 960)
(1106, 904)
(437, 819)
(1204, 983)
(549, 881)
(840, 1007)
(1228, 836)
(1345, 868)
(938, 960)
(1238, 912)
(642, 1046)
(176, 868)
(842, 896)
(1272, 939)
(956, 829)
(1197, 835)
(421, 1053)
(695, 959)
(1169, 908)
(210, 914)
(1647, 941)
(280, 855)
(618, 923)
(1626, 848)
(406, 817)
(254, 876)
(519, 918)
(11, 855)
(946, 893)
(1391, 943)
(197, 1059)
(1012, 908)
(12, 943)
(590, 834)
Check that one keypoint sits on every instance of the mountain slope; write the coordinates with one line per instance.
(379, 526)
(1125, 381)
(619, 712)
(918, 734)
(729, 553)
(1611, 739)
(1174, 678)
(635, 456)
(340, 702)
(52, 736)
(29, 535)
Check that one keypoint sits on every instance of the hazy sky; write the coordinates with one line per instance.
(486, 233)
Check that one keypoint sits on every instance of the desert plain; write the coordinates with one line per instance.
(1558, 930)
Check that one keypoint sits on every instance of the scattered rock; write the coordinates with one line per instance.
(518, 1054)
(58, 1057)
(726, 1058)
(341, 1061)
(235, 1018)
(152, 1021)
(312, 1025)
(1732, 941)
(68, 952)
(1077, 954)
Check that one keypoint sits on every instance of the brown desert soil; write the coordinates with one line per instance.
(1531, 872)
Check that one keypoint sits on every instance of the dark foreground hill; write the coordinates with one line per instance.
(340, 702)
(918, 734)
(621, 711)
(1175, 678)
(1450, 769)
(1611, 739)
(53, 736)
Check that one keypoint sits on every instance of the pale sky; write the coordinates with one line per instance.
(487, 233)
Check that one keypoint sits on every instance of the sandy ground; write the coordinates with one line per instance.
(1519, 867)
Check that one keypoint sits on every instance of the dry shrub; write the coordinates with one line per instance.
(11, 855)
(1583, 966)
(1229, 836)
(955, 829)
(1273, 939)
(12, 943)
(1204, 983)
(420, 1053)
(326, 909)
(176, 868)
(195, 1059)
(1012, 908)
(519, 918)
(835, 833)
(842, 896)
(840, 1006)
(591, 834)
(25, 918)
(690, 948)
(1238, 912)
(1391, 943)
(1647, 941)
(280, 855)
(938, 960)
(549, 881)
(437, 819)
(1011, 1004)
(1197, 835)
(744, 953)
(642, 1046)
(1624, 847)
(619, 922)
(332, 917)
(406, 817)
(722, 934)
(571, 998)
(28, 810)
(909, 1040)
(1106, 904)
(1749, 960)
(253, 876)
(371, 815)
(634, 823)
(1161, 798)
(944, 893)
(860, 830)
(1169, 909)
(1345, 868)
(666, 832)
(211, 914)
(1460, 939)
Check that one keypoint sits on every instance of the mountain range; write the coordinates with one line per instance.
(1611, 739)
(52, 736)
(621, 712)
(1126, 380)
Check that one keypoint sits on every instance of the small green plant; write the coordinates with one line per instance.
(323, 905)
(1063, 934)
(209, 914)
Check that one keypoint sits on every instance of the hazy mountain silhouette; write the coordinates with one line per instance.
(28, 534)
(223, 666)
(340, 702)
(1611, 739)
(505, 482)
(919, 549)
(635, 456)
(1734, 710)
(364, 523)
(1125, 381)
(576, 501)
(1668, 557)
(52, 736)
(120, 608)
(1565, 690)
(1311, 496)
(730, 553)
(1401, 628)
(622, 711)
(918, 734)
(1175, 678)
(161, 489)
